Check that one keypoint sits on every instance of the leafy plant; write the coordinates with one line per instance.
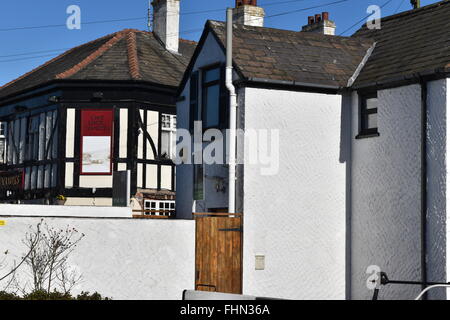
(54, 295)
(52, 278)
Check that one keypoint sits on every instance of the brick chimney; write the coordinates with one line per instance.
(320, 23)
(248, 13)
(166, 22)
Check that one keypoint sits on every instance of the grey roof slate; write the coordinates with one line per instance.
(410, 43)
(125, 55)
(302, 57)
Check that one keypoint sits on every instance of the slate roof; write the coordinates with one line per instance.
(412, 42)
(291, 56)
(125, 55)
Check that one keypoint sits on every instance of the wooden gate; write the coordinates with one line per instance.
(218, 261)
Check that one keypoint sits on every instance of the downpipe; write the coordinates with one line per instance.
(233, 109)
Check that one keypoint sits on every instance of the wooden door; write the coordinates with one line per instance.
(218, 263)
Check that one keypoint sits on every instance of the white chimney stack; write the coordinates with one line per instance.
(166, 22)
(320, 23)
(248, 13)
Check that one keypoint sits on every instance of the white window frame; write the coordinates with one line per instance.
(2, 128)
(157, 203)
(172, 129)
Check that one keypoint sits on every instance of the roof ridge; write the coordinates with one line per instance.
(93, 56)
(221, 24)
(53, 60)
(133, 59)
(415, 11)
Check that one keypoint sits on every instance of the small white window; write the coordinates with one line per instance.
(159, 207)
(2, 129)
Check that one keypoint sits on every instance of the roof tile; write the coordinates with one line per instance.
(125, 55)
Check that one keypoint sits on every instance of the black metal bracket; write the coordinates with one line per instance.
(385, 281)
(240, 229)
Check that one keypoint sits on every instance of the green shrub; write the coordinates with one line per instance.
(8, 296)
(44, 295)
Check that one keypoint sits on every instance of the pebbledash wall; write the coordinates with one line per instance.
(296, 219)
(386, 192)
(119, 257)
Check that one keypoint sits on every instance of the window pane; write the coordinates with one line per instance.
(174, 122)
(2, 150)
(198, 182)
(212, 75)
(165, 144)
(371, 103)
(165, 118)
(212, 106)
(370, 121)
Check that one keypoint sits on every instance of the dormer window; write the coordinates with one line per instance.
(368, 123)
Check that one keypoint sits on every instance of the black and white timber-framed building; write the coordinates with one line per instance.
(105, 106)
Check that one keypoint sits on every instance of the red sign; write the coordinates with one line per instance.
(97, 122)
(96, 141)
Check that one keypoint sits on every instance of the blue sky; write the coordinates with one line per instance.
(23, 50)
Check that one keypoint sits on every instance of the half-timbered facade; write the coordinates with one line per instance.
(105, 106)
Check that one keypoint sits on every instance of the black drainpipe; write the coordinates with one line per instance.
(423, 231)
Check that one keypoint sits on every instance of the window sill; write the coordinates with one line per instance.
(367, 135)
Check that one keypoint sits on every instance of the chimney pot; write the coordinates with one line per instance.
(240, 3)
(320, 23)
(318, 18)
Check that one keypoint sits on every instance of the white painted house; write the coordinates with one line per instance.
(362, 176)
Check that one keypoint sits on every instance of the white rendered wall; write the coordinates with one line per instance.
(437, 186)
(386, 195)
(83, 210)
(121, 258)
(448, 194)
(297, 218)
